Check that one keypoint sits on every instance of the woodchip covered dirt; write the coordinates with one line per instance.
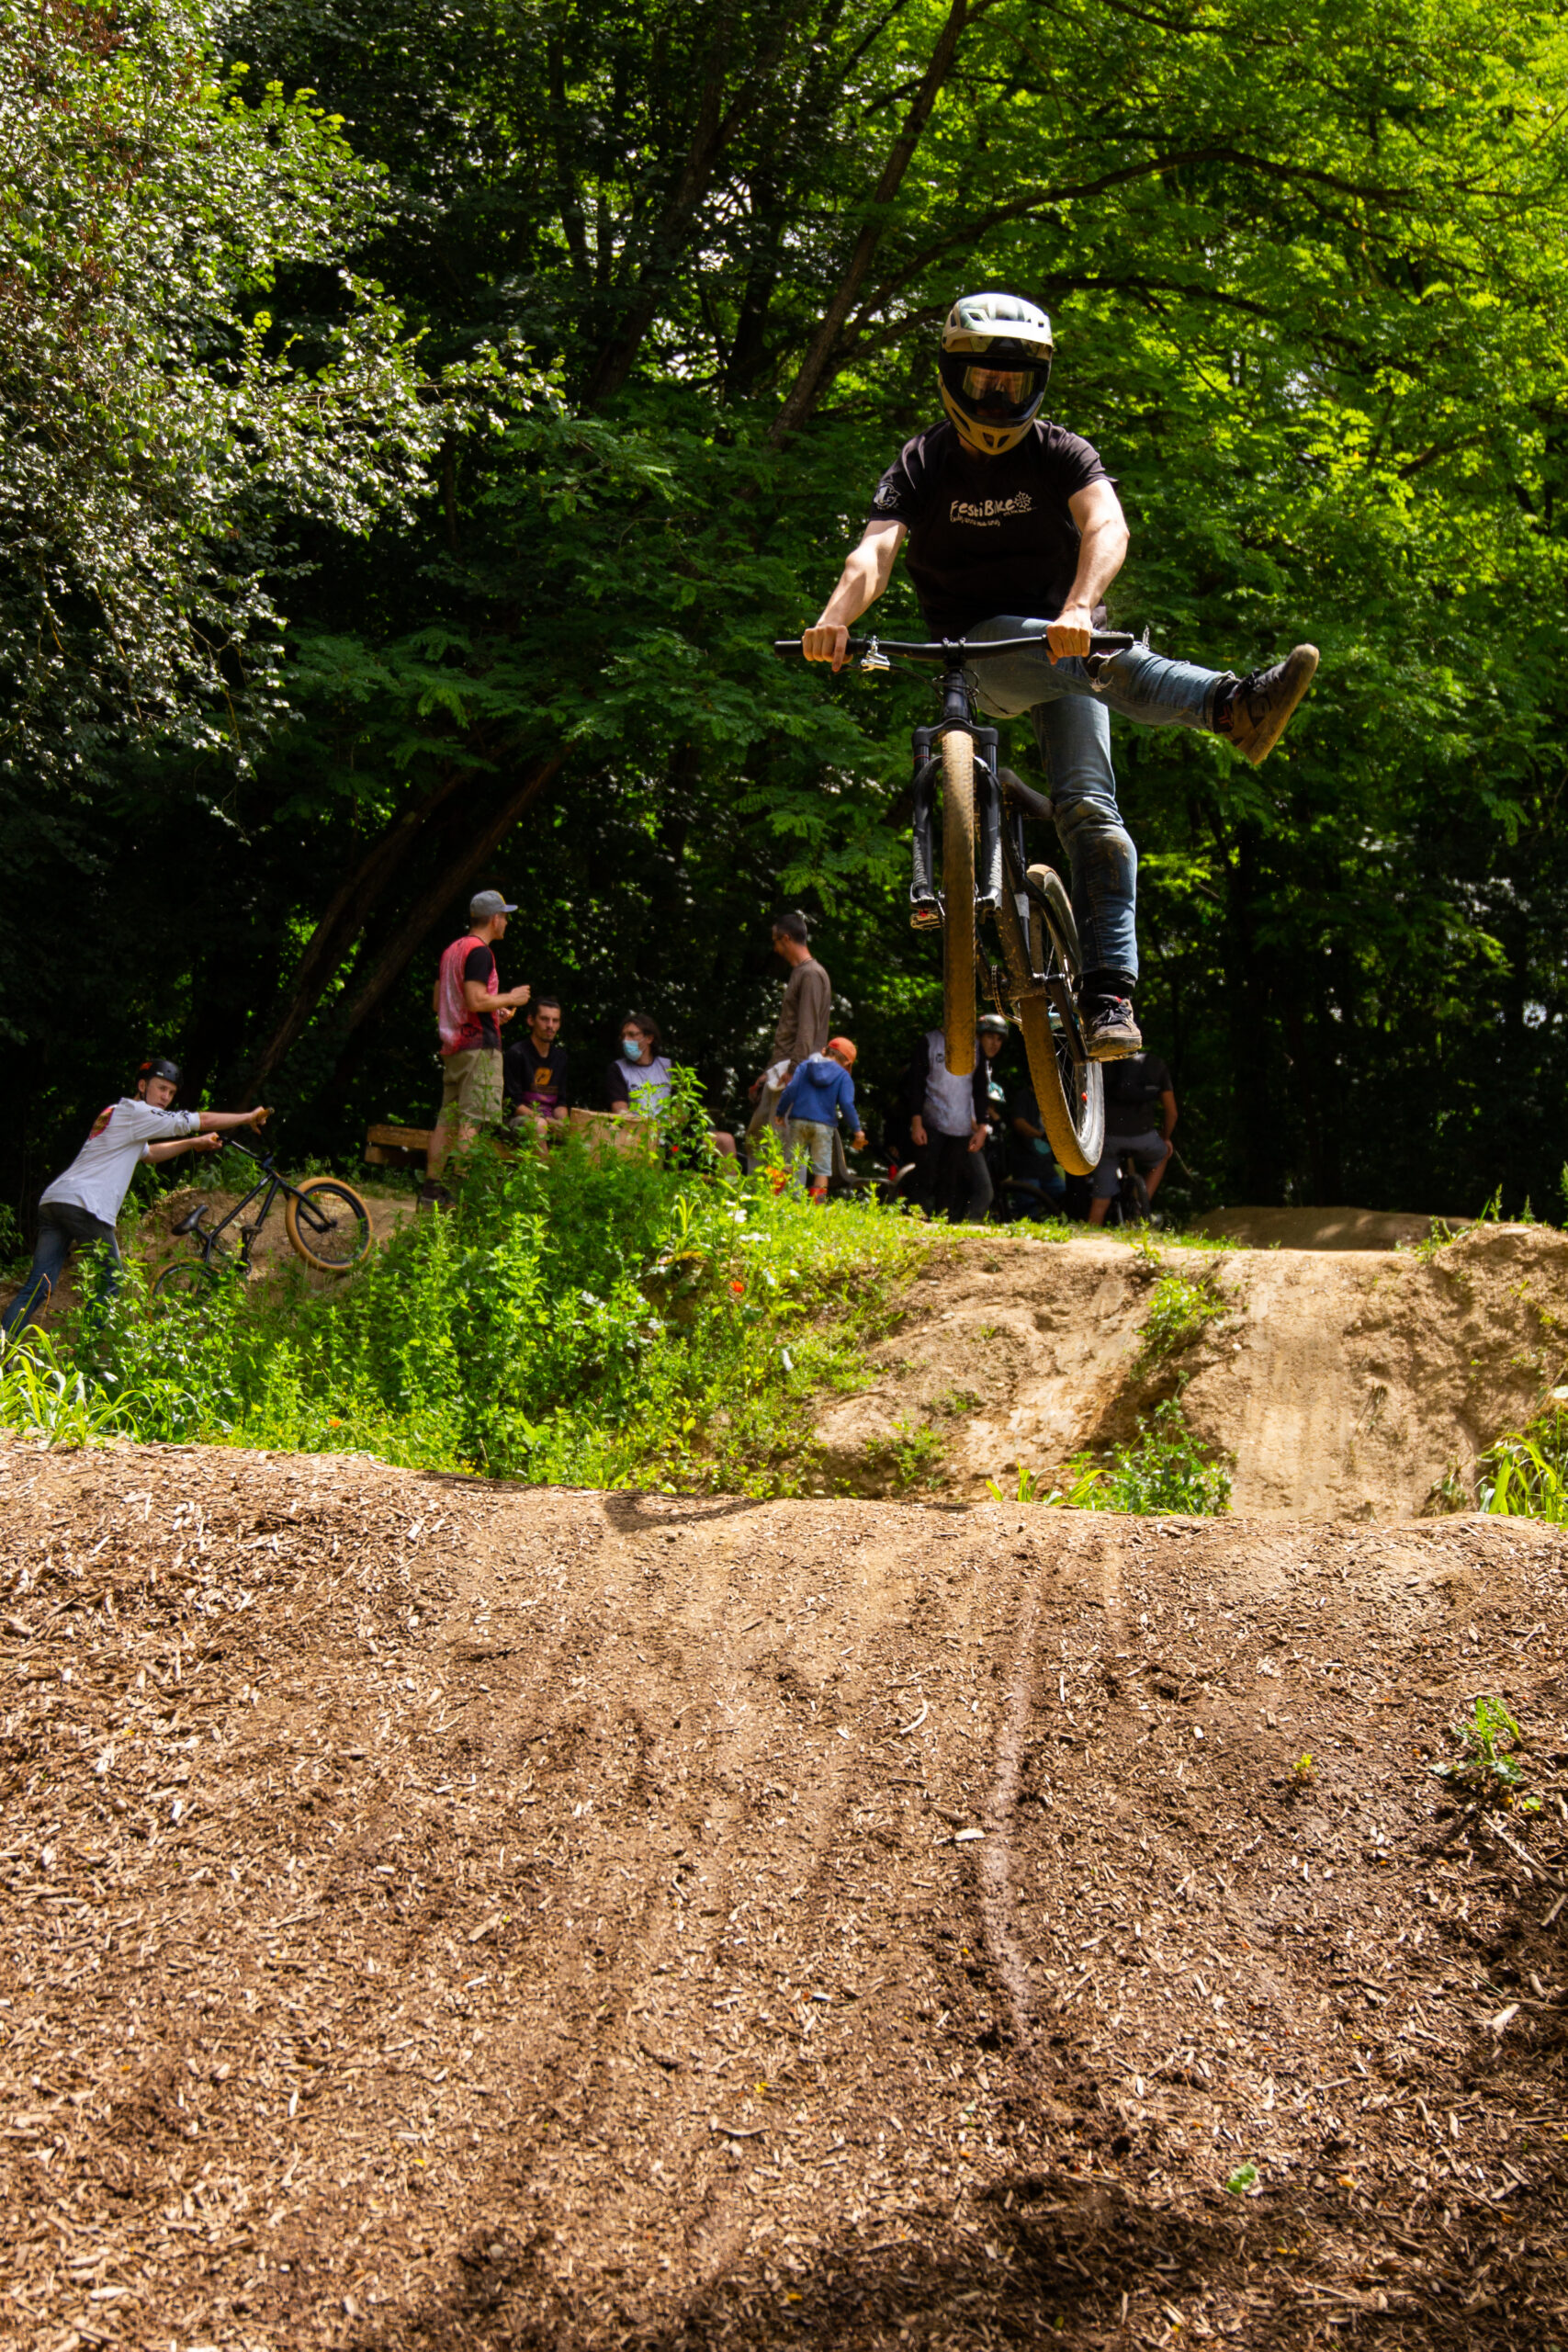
(439, 1914)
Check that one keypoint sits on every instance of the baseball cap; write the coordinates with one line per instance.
(485, 903)
(994, 1022)
(841, 1045)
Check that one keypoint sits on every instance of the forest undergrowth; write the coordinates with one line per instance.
(578, 1319)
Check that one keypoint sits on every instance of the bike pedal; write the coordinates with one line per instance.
(925, 915)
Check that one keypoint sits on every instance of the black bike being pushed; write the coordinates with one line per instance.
(326, 1220)
(1036, 981)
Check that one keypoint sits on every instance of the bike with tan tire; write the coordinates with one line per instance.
(986, 875)
(326, 1221)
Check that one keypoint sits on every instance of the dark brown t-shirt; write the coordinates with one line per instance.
(987, 534)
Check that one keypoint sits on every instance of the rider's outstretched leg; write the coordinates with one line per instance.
(1074, 736)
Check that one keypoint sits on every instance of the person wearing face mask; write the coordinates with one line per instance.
(638, 1078)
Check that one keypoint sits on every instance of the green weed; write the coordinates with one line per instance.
(1032, 1488)
(914, 1455)
(1427, 1248)
(1242, 2179)
(1179, 1312)
(1524, 1473)
(1488, 1767)
(1165, 1469)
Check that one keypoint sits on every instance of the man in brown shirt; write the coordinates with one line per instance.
(805, 1019)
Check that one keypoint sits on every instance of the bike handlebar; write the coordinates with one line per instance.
(954, 652)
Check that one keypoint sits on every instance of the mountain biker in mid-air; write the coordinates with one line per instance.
(1015, 530)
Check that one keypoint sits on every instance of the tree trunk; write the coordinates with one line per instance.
(717, 128)
(816, 365)
(340, 925)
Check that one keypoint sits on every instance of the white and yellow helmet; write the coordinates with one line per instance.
(994, 366)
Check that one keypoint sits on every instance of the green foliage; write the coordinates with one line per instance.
(1242, 2179)
(1179, 1312)
(582, 1318)
(44, 1397)
(161, 431)
(1487, 1768)
(1524, 1473)
(913, 1455)
(1163, 1468)
(1032, 1488)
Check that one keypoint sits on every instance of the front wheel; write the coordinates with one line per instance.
(328, 1225)
(1068, 1087)
(958, 901)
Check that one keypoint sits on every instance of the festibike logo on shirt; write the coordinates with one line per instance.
(989, 510)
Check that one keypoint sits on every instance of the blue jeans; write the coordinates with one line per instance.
(62, 1227)
(1070, 713)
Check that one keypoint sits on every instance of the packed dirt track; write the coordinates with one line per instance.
(1356, 1382)
(440, 1914)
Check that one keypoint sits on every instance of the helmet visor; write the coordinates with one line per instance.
(1003, 391)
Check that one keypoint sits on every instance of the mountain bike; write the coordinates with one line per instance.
(1036, 983)
(326, 1221)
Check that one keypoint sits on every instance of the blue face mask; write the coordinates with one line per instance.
(632, 1048)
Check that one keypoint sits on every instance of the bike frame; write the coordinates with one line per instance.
(270, 1183)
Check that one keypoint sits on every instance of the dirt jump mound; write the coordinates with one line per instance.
(1360, 1383)
(441, 1915)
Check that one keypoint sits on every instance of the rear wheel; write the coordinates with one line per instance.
(1068, 1087)
(958, 897)
(328, 1225)
(189, 1280)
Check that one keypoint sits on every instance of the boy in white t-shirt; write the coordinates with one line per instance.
(81, 1206)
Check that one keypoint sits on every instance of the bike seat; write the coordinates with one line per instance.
(191, 1219)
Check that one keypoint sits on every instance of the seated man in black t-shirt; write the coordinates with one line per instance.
(534, 1066)
(1140, 1112)
(1014, 530)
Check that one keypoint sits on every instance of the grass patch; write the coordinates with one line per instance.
(581, 1319)
(1524, 1473)
(1163, 1467)
(1179, 1312)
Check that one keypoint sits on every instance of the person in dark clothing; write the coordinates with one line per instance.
(1014, 530)
(987, 1167)
(1039, 1187)
(1140, 1112)
(805, 1018)
(947, 1124)
(534, 1066)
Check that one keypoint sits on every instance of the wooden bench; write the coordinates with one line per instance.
(394, 1147)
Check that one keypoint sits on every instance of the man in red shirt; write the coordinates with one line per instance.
(470, 1009)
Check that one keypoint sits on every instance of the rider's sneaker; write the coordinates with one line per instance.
(1110, 1031)
(925, 914)
(1261, 703)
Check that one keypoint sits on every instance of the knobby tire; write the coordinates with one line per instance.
(328, 1225)
(958, 898)
(1069, 1090)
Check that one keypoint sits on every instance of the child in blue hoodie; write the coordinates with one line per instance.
(821, 1088)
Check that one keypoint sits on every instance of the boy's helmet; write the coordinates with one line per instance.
(994, 366)
(157, 1065)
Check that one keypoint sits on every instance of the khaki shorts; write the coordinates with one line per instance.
(471, 1086)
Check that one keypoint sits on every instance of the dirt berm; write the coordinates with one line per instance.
(1361, 1383)
(437, 1915)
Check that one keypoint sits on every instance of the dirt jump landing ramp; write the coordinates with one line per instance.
(437, 1915)
(1357, 1384)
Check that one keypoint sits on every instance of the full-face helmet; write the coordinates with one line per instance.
(994, 366)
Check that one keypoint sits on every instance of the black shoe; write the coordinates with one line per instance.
(435, 1195)
(1110, 1031)
(1261, 703)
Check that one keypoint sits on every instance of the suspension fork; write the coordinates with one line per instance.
(988, 809)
